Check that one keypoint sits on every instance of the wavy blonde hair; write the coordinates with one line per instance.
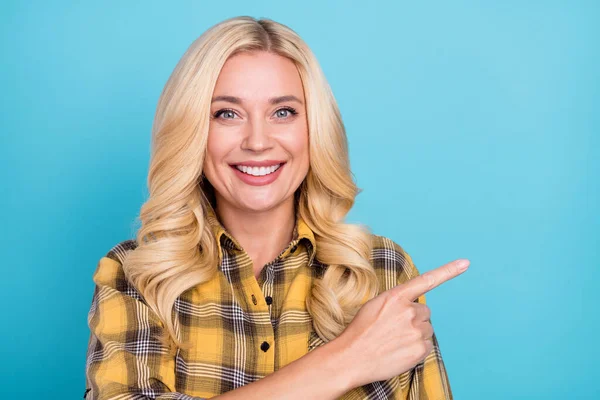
(177, 249)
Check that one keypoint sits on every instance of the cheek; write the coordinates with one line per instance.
(214, 155)
(216, 148)
(298, 144)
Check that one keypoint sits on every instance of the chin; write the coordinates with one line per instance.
(257, 202)
(258, 205)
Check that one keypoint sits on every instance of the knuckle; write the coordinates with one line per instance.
(387, 303)
(427, 311)
(417, 335)
(394, 293)
(423, 309)
(429, 279)
(386, 298)
(422, 349)
(411, 312)
(428, 331)
(394, 299)
(451, 271)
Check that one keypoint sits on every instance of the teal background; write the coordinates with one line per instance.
(474, 132)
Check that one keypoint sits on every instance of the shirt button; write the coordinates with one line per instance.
(269, 300)
(264, 346)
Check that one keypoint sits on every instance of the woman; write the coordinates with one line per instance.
(243, 280)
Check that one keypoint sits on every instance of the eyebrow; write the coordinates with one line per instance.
(272, 100)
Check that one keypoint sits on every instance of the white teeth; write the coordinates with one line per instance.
(258, 171)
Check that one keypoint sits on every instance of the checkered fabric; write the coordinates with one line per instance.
(243, 327)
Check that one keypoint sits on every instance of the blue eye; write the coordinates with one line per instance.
(225, 111)
(286, 111)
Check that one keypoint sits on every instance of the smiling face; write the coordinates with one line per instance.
(257, 154)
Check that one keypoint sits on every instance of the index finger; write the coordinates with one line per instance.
(422, 284)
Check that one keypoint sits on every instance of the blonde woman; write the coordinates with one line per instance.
(243, 281)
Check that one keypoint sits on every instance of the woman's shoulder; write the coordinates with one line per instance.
(119, 251)
(391, 262)
(109, 271)
(116, 300)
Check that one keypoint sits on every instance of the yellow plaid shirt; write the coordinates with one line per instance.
(243, 328)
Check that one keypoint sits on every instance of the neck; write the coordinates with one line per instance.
(262, 234)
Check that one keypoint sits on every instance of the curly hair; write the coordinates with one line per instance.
(177, 249)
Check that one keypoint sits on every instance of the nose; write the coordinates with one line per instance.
(257, 137)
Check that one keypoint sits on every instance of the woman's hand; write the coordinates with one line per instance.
(391, 333)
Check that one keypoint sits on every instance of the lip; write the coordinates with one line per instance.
(258, 180)
(263, 163)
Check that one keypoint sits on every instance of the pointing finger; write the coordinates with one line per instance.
(422, 284)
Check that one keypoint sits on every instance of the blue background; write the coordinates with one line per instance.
(473, 131)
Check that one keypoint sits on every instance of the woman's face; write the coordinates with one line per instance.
(257, 153)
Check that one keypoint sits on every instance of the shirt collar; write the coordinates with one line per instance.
(224, 239)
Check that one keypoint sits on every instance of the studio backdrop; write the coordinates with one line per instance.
(473, 129)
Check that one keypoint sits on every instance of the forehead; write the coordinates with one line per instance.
(259, 76)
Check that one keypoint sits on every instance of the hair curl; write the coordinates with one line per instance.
(176, 246)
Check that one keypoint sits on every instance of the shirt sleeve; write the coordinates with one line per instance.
(428, 379)
(125, 359)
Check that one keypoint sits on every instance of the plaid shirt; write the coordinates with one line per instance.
(244, 328)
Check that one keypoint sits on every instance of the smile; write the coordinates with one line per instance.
(258, 171)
